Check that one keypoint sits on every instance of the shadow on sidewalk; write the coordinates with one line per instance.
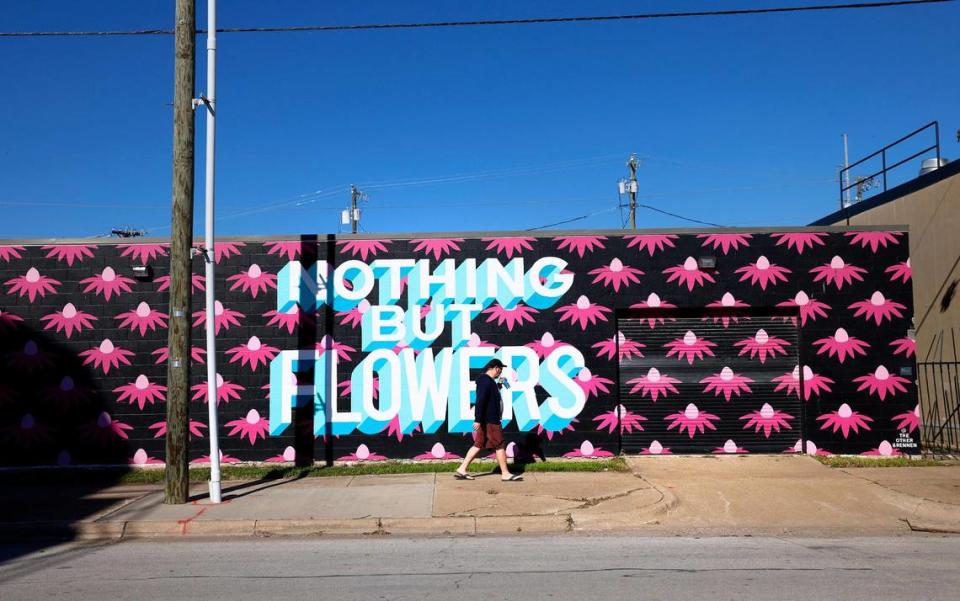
(55, 417)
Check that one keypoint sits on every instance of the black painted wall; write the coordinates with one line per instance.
(106, 418)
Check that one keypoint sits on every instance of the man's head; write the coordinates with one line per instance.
(493, 368)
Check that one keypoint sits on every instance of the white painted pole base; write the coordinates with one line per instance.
(215, 491)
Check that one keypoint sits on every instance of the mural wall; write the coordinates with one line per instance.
(357, 349)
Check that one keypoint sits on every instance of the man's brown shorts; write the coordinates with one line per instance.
(489, 436)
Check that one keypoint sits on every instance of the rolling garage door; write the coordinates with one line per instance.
(709, 384)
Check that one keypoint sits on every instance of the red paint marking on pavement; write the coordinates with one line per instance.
(186, 522)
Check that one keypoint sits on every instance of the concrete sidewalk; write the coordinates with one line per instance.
(713, 495)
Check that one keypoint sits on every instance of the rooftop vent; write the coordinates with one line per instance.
(929, 165)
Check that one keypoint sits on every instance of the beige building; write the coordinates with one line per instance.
(929, 207)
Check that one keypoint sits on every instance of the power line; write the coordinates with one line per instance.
(690, 219)
(571, 220)
(488, 22)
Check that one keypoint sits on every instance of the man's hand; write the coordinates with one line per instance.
(476, 425)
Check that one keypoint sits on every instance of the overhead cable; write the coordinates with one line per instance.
(490, 22)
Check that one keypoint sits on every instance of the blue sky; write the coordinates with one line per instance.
(739, 119)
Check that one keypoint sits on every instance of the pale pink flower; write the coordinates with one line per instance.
(32, 284)
(68, 320)
(143, 318)
(254, 280)
(688, 274)
(767, 419)
(583, 312)
(845, 419)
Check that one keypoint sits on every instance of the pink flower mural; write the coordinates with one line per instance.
(253, 280)
(799, 240)
(143, 253)
(250, 427)
(107, 356)
(730, 448)
(654, 303)
(726, 313)
(583, 312)
(845, 419)
(651, 243)
(654, 385)
(437, 247)
(293, 318)
(873, 240)
(546, 345)
(222, 317)
(509, 246)
(510, 317)
(690, 347)
(587, 449)
(878, 308)
(688, 274)
(291, 249)
(841, 345)
(368, 248)
(725, 242)
(32, 284)
(142, 319)
(70, 253)
(761, 345)
(809, 308)
(580, 245)
(692, 420)
(619, 420)
(363, 453)
(619, 345)
(142, 392)
(767, 419)
(108, 284)
(726, 383)
(882, 383)
(616, 274)
(226, 391)
(763, 273)
(253, 353)
(437, 453)
(900, 271)
(838, 273)
(68, 320)
(11, 252)
(813, 383)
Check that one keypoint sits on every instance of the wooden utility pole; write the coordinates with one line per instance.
(633, 163)
(179, 335)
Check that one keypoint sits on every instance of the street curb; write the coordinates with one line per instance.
(371, 526)
(924, 514)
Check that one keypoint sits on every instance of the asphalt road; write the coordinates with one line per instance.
(528, 567)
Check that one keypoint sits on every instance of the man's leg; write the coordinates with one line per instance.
(502, 460)
(471, 455)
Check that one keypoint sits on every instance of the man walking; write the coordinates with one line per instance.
(487, 431)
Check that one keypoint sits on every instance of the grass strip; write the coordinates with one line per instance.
(273, 472)
(843, 461)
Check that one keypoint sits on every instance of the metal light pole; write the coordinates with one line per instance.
(210, 101)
